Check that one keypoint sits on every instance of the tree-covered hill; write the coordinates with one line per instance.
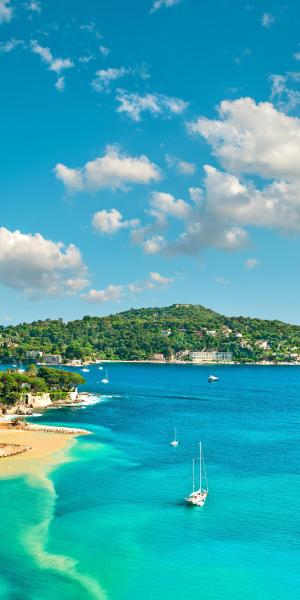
(138, 334)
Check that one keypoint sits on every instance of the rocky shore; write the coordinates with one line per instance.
(12, 449)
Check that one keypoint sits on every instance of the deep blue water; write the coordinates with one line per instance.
(115, 524)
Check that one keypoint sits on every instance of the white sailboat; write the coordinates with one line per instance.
(175, 441)
(213, 378)
(198, 497)
(105, 379)
(85, 370)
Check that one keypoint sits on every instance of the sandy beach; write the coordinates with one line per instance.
(37, 446)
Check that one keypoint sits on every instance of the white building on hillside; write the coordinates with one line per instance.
(210, 356)
(52, 359)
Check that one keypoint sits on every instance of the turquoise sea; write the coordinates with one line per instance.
(111, 522)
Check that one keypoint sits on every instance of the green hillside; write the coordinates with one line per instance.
(137, 334)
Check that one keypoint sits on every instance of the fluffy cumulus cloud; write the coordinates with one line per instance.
(157, 4)
(6, 11)
(253, 138)
(113, 170)
(219, 215)
(164, 205)
(248, 139)
(133, 104)
(40, 267)
(114, 293)
(111, 221)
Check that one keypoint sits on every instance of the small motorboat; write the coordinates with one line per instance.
(85, 370)
(213, 378)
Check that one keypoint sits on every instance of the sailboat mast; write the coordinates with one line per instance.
(193, 471)
(200, 445)
(175, 434)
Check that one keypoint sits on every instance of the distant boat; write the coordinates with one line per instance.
(213, 378)
(105, 379)
(100, 368)
(175, 441)
(85, 370)
(198, 497)
(14, 366)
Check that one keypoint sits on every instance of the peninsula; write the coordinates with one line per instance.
(181, 332)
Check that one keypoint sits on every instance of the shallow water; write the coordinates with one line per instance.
(112, 522)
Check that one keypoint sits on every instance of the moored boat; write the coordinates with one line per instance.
(175, 441)
(198, 497)
(105, 379)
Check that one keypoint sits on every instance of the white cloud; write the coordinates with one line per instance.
(277, 205)
(285, 97)
(104, 77)
(159, 279)
(113, 170)
(6, 11)
(164, 205)
(104, 50)
(251, 263)
(60, 84)
(86, 59)
(222, 281)
(39, 267)
(111, 221)
(91, 28)
(10, 45)
(55, 64)
(267, 19)
(157, 4)
(114, 293)
(152, 245)
(182, 166)
(246, 138)
(227, 207)
(196, 194)
(34, 7)
(133, 104)
(253, 138)
(186, 168)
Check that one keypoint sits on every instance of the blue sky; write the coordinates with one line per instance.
(150, 155)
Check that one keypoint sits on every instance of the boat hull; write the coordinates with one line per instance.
(197, 498)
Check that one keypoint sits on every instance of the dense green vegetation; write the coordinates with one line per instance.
(14, 385)
(140, 333)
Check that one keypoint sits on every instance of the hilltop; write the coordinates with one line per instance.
(138, 334)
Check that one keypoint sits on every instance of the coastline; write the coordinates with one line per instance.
(184, 362)
(34, 441)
